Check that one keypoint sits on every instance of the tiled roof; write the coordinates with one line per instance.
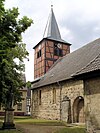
(90, 67)
(70, 64)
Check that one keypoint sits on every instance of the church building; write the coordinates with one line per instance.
(50, 48)
(66, 85)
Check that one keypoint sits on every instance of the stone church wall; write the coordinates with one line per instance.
(47, 109)
(92, 102)
(73, 90)
(55, 106)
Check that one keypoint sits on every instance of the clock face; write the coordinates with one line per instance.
(59, 45)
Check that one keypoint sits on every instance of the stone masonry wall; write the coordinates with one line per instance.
(92, 102)
(49, 110)
(72, 90)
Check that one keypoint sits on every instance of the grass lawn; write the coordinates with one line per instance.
(29, 121)
(71, 130)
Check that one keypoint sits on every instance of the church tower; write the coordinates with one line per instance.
(50, 48)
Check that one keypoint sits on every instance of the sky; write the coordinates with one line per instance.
(78, 22)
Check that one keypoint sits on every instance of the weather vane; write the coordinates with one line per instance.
(51, 4)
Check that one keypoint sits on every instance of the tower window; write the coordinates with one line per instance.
(39, 54)
(57, 50)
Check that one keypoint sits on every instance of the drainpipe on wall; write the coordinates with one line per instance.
(60, 87)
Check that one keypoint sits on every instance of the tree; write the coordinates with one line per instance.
(11, 48)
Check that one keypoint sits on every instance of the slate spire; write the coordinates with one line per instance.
(51, 29)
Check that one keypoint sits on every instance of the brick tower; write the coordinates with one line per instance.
(50, 48)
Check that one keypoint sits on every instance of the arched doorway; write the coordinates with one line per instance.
(78, 110)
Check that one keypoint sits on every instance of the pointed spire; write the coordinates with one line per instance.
(51, 29)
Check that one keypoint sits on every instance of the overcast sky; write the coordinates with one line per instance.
(78, 21)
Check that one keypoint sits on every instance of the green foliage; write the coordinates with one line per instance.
(29, 84)
(11, 48)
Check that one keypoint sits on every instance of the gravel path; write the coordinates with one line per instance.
(38, 129)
